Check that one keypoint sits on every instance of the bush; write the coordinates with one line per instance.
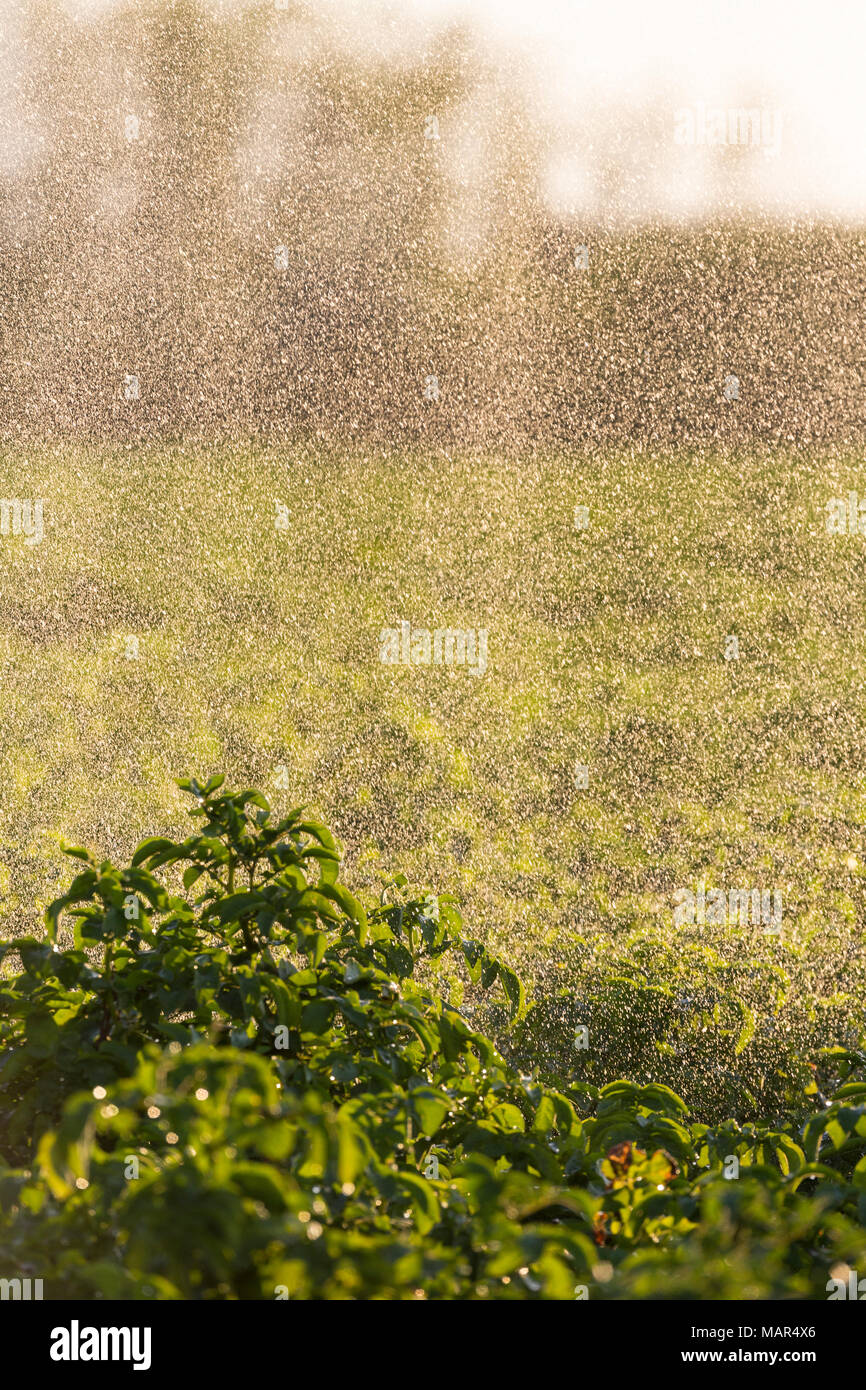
(239, 1083)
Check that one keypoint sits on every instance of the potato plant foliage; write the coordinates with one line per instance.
(222, 1077)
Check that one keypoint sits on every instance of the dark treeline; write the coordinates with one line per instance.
(245, 214)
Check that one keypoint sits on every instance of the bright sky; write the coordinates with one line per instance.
(605, 67)
(608, 78)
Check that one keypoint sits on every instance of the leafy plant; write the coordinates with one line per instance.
(223, 1077)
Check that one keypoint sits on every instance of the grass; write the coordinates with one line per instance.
(258, 649)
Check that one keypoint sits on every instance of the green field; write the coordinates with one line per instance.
(258, 649)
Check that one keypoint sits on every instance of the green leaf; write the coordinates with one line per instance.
(287, 1002)
(514, 991)
(430, 1108)
(236, 906)
(350, 905)
(261, 1182)
(656, 1097)
(545, 1115)
(474, 955)
(489, 971)
(351, 1149)
(148, 848)
(316, 1017)
(317, 830)
(851, 1088)
(509, 1117)
(748, 1030)
(422, 1200)
(315, 945)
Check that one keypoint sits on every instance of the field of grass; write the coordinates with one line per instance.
(258, 649)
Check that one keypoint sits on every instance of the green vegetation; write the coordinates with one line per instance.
(258, 655)
(258, 650)
(249, 1093)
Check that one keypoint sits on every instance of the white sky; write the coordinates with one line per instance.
(608, 76)
(604, 67)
